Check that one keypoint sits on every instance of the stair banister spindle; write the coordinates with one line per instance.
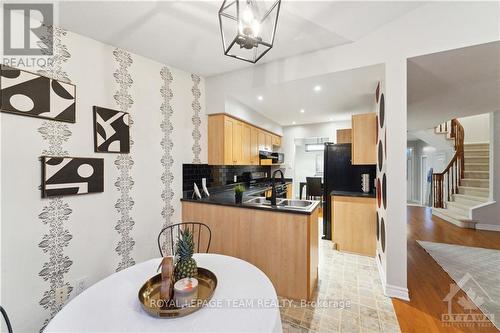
(456, 166)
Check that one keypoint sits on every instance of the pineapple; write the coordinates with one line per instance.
(186, 265)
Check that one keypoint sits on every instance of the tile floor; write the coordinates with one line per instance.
(346, 278)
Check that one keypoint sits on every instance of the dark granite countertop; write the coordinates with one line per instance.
(353, 194)
(226, 198)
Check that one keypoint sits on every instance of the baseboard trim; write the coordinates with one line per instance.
(396, 292)
(390, 290)
(489, 227)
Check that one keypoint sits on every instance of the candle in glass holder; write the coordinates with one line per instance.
(185, 292)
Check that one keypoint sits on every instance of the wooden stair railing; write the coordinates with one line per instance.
(446, 183)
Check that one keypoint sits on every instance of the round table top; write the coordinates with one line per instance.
(244, 301)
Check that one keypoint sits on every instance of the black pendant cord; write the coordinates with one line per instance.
(7, 321)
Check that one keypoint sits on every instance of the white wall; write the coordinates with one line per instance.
(435, 160)
(433, 27)
(291, 133)
(243, 112)
(488, 215)
(93, 218)
(476, 128)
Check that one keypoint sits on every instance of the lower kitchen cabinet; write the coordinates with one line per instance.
(289, 191)
(354, 224)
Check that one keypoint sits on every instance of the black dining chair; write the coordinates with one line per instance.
(197, 229)
(313, 187)
(6, 319)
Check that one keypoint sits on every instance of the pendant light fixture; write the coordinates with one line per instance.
(248, 28)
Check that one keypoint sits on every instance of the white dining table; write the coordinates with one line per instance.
(244, 301)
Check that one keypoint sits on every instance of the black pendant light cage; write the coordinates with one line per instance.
(248, 41)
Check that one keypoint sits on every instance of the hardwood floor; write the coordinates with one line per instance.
(428, 283)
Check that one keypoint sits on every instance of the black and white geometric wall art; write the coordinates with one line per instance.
(111, 131)
(71, 175)
(34, 95)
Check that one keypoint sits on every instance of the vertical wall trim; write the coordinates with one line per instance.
(57, 212)
(167, 145)
(124, 163)
(196, 120)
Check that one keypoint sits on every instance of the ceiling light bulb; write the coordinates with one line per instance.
(302, 110)
(317, 88)
(293, 122)
(260, 98)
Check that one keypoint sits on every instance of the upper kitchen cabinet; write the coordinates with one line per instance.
(234, 142)
(364, 139)
(276, 140)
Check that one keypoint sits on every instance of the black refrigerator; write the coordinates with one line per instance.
(339, 174)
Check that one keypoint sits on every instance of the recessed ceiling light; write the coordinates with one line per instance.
(302, 110)
(293, 122)
(331, 119)
(260, 98)
(317, 88)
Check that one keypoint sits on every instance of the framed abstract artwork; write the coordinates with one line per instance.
(111, 131)
(31, 94)
(71, 175)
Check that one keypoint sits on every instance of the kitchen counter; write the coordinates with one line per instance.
(225, 197)
(281, 243)
(352, 194)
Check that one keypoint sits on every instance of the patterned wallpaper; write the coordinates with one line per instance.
(89, 237)
(167, 145)
(56, 213)
(124, 163)
(381, 176)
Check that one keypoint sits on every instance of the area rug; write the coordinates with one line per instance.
(476, 271)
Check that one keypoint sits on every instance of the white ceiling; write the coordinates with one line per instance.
(185, 34)
(342, 94)
(452, 84)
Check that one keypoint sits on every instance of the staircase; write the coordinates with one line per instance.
(464, 183)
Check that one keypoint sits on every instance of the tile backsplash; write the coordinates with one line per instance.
(216, 175)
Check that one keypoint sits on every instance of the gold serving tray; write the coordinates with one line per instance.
(149, 296)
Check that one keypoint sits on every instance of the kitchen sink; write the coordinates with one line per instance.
(282, 203)
(260, 201)
(296, 203)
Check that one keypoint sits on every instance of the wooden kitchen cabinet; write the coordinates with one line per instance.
(228, 141)
(245, 144)
(289, 191)
(235, 142)
(262, 140)
(269, 142)
(254, 146)
(276, 141)
(364, 139)
(354, 224)
(344, 135)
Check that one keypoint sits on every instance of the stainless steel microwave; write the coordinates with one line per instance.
(278, 158)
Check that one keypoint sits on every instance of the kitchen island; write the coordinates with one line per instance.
(281, 241)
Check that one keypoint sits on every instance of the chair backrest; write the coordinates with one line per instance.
(6, 318)
(314, 186)
(202, 236)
